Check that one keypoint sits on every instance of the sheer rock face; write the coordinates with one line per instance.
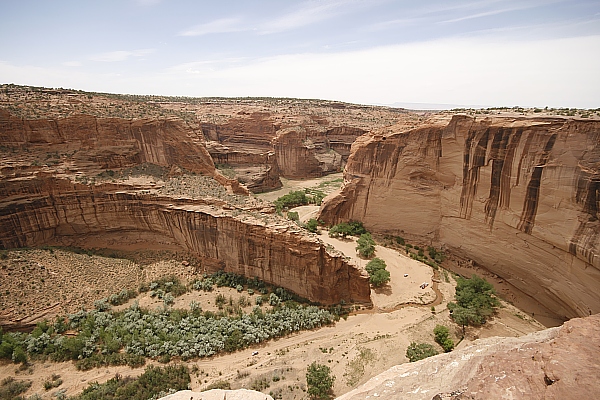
(519, 196)
(260, 149)
(110, 143)
(557, 363)
(49, 211)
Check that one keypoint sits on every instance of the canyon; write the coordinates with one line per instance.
(513, 196)
(516, 196)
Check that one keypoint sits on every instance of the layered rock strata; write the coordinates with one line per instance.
(89, 145)
(259, 149)
(518, 196)
(557, 363)
(48, 211)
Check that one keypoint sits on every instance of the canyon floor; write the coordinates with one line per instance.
(366, 343)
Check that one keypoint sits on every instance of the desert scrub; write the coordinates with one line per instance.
(106, 338)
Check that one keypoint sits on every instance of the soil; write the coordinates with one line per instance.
(366, 343)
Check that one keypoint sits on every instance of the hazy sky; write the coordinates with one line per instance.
(463, 52)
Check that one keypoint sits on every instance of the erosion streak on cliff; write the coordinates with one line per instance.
(537, 225)
(89, 144)
(532, 195)
(73, 214)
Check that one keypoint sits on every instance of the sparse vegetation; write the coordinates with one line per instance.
(155, 382)
(441, 334)
(475, 301)
(378, 274)
(319, 381)
(11, 388)
(365, 245)
(420, 351)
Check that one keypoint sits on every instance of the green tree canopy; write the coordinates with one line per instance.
(365, 245)
(319, 381)
(419, 351)
(378, 275)
(441, 334)
(475, 301)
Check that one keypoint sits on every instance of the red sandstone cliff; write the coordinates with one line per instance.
(47, 211)
(90, 144)
(519, 196)
(557, 363)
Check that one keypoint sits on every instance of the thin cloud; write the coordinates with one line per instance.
(120, 55)
(223, 25)
(486, 14)
(72, 64)
(308, 13)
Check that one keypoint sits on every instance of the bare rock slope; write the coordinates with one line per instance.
(519, 196)
(557, 363)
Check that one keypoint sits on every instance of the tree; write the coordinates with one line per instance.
(475, 301)
(293, 215)
(365, 245)
(338, 230)
(378, 275)
(312, 225)
(319, 381)
(442, 338)
(419, 351)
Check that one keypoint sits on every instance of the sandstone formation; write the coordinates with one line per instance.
(557, 363)
(259, 148)
(218, 394)
(48, 211)
(518, 196)
(90, 145)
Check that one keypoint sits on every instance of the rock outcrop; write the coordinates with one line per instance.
(218, 394)
(557, 363)
(259, 148)
(89, 145)
(518, 196)
(48, 211)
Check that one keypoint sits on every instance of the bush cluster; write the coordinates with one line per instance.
(106, 338)
(441, 334)
(475, 301)
(419, 351)
(378, 274)
(352, 228)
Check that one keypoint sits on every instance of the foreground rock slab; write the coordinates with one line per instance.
(218, 394)
(557, 363)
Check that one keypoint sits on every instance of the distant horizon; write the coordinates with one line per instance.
(402, 105)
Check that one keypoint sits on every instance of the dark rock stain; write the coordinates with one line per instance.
(471, 165)
(532, 195)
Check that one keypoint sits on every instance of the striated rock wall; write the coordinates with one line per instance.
(519, 196)
(49, 211)
(95, 144)
(260, 148)
(557, 363)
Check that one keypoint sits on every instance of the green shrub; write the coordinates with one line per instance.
(312, 225)
(291, 200)
(292, 215)
(475, 301)
(365, 245)
(319, 381)
(10, 388)
(441, 334)
(378, 275)
(420, 351)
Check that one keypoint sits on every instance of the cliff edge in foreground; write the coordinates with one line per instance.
(557, 363)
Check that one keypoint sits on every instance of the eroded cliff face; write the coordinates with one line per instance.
(557, 363)
(519, 196)
(48, 211)
(260, 147)
(88, 145)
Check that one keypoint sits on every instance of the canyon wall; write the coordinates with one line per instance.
(556, 363)
(89, 145)
(260, 147)
(47, 211)
(518, 196)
